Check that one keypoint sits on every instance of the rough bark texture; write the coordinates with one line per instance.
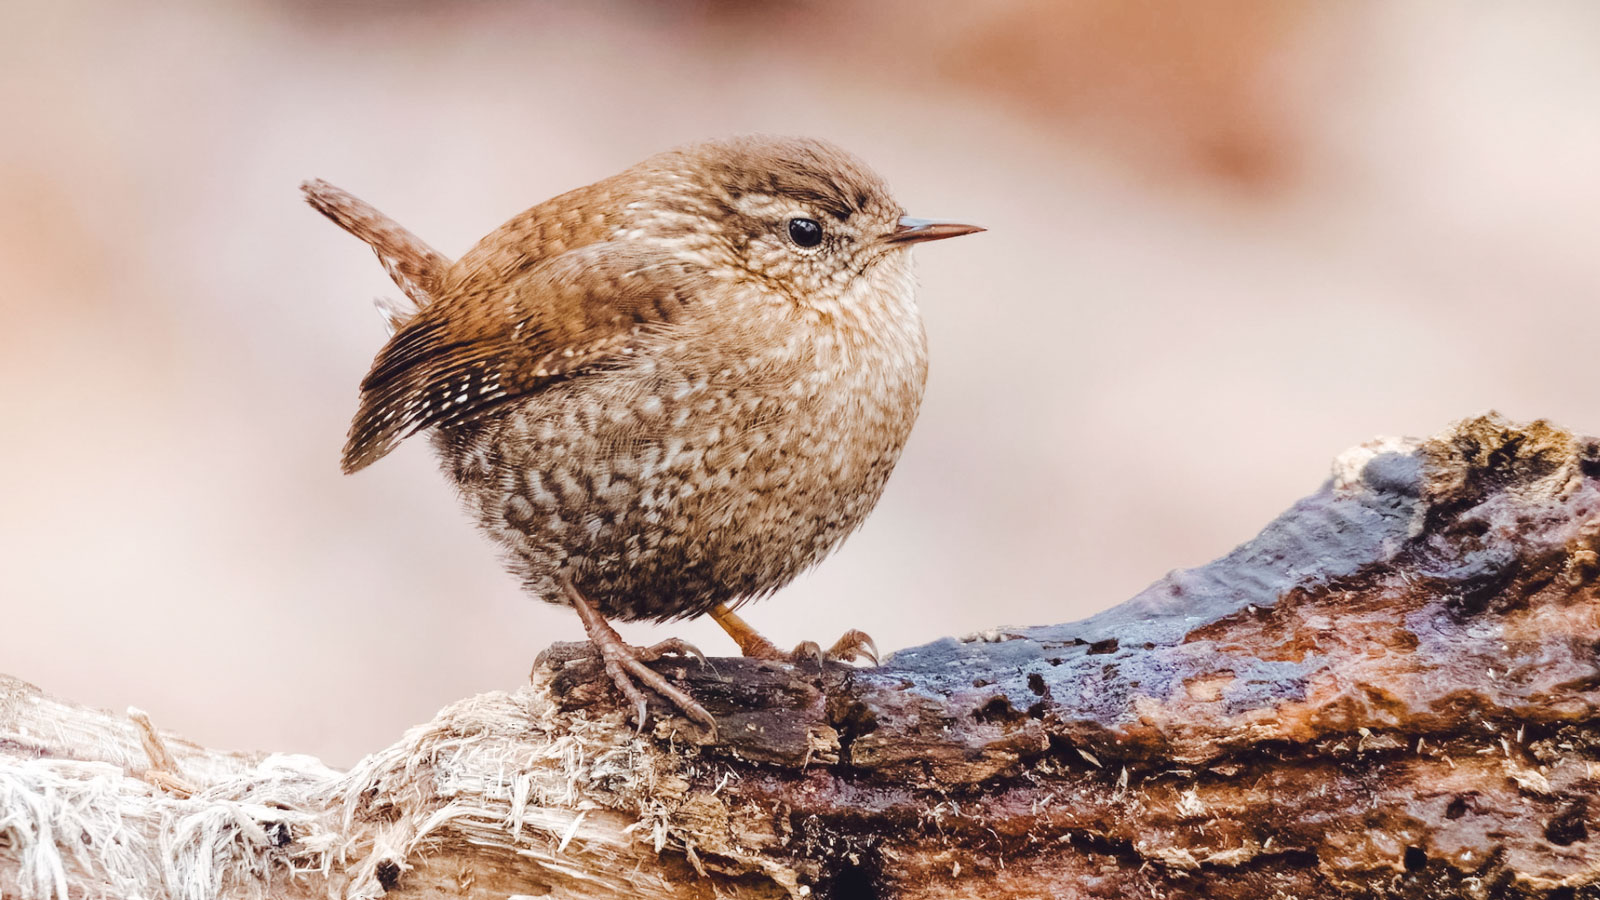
(1390, 692)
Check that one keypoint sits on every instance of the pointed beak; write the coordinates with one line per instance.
(915, 231)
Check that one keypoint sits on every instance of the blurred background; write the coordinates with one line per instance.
(1227, 240)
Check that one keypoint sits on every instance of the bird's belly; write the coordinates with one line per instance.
(663, 501)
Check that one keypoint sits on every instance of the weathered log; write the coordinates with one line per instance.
(1390, 692)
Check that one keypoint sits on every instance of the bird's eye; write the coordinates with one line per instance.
(805, 232)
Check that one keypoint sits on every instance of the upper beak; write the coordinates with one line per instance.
(915, 231)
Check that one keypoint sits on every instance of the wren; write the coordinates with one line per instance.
(666, 393)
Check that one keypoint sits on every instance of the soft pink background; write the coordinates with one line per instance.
(1227, 240)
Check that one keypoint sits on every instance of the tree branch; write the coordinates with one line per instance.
(1390, 692)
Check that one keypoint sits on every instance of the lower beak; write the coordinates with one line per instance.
(915, 231)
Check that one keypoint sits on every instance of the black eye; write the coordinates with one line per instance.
(805, 232)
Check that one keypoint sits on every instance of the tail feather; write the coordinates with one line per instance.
(414, 266)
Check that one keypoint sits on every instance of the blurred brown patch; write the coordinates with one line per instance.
(1194, 90)
(1199, 83)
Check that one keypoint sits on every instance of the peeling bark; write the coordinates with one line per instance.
(1390, 692)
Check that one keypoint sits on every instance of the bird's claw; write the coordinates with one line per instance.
(851, 646)
(671, 646)
(626, 666)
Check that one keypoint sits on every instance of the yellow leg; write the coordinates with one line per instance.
(750, 641)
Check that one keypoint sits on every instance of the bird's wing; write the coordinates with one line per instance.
(474, 350)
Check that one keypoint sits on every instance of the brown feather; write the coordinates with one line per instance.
(414, 266)
(472, 351)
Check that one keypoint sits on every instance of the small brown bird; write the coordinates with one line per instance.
(666, 393)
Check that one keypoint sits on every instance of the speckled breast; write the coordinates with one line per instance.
(687, 477)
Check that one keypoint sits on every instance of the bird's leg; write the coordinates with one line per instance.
(852, 645)
(626, 664)
(750, 641)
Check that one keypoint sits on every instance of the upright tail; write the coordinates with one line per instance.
(414, 266)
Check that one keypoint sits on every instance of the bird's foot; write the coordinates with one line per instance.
(625, 664)
(851, 646)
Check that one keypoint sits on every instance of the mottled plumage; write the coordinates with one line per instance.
(653, 388)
